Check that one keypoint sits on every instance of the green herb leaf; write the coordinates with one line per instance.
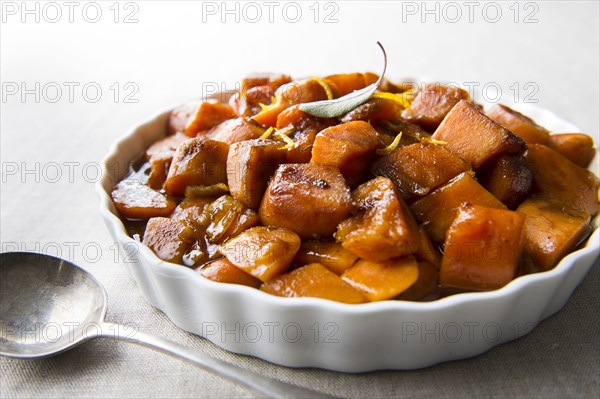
(339, 106)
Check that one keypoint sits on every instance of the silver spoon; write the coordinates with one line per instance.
(49, 305)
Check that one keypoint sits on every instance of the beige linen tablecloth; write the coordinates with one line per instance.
(71, 85)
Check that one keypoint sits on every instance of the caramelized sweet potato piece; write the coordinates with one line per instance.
(248, 104)
(437, 210)
(309, 199)
(250, 165)
(197, 162)
(273, 80)
(576, 147)
(374, 110)
(561, 178)
(432, 103)
(519, 124)
(426, 284)
(235, 130)
(330, 254)
(303, 129)
(482, 248)
(508, 178)
(178, 118)
(168, 238)
(383, 280)
(134, 200)
(296, 92)
(223, 271)
(345, 83)
(382, 227)
(474, 137)
(419, 168)
(427, 252)
(313, 280)
(349, 146)
(228, 218)
(208, 114)
(552, 229)
(160, 155)
(191, 211)
(264, 252)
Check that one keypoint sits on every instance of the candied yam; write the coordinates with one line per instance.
(508, 178)
(418, 168)
(349, 146)
(382, 226)
(179, 116)
(330, 254)
(296, 92)
(227, 218)
(159, 168)
(168, 238)
(273, 80)
(432, 103)
(576, 147)
(552, 229)
(134, 200)
(235, 130)
(316, 281)
(207, 114)
(345, 83)
(223, 271)
(474, 137)
(482, 248)
(197, 162)
(264, 252)
(165, 147)
(248, 104)
(250, 165)
(383, 280)
(309, 199)
(374, 110)
(437, 210)
(519, 124)
(426, 284)
(427, 252)
(191, 211)
(556, 175)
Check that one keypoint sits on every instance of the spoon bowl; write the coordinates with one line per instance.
(49, 305)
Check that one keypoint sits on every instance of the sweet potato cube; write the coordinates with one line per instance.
(345, 83)
(426, 284)
(349, 146)
(432, 103)
(192, 212)
(235, 130)
(206, 115)
(227, 218)
(382, 226)
(508, 178)
(474, 137)
(179, 116)
(313, 280)
(374, 110)
(576, 147)
(330, 254)
(197, 162)
(250, 165)
(134, 200)
(223, 271)
(418, 168)
(165, 148)
(437, 210)
(309, 199)
(168, 238)
(556, 175)
(264, 252)
(552, 229)
(273, 80)
(427, 252)
(482, 248)
(383, 280)
(519, 124)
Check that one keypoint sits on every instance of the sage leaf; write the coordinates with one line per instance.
(339, 106)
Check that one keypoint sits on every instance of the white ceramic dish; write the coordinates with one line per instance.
(310, 332)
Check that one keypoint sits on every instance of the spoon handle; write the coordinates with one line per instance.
(265, 385)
